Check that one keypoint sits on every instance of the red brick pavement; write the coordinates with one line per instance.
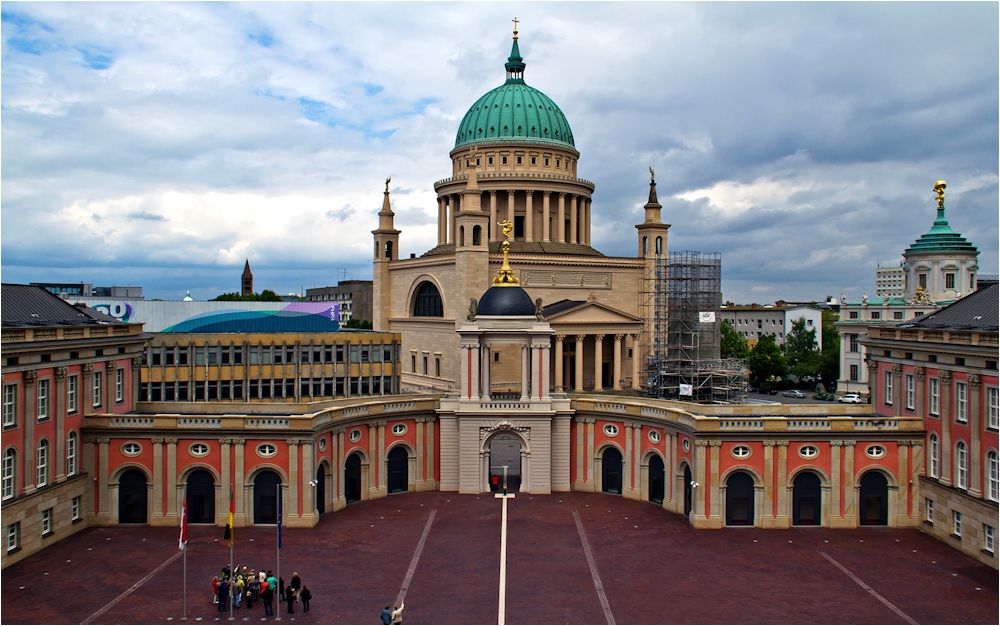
(654, 567)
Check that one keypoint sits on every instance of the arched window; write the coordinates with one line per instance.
(388, 250)
(9, 467)
(476, 235)
(42, 464)
(659, 245)
(645, 246)
(71, 454)
(961, 465)
(461, 235)
(428, 301)
(992, 476)
(935, 456)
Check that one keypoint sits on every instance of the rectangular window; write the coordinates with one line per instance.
(156, 356)
(911, 392)
(75, 508)
(199, 355)
(949, 281)
(854, 343)
(42, 464)
(922, 281)
(71, 385)
(853, 315)
(305, 355)
(168, 356)
(935, 456)
(43, 399)
(897, 315)
(876, 315)
(119, 385)
(425, 366)
(46, 522)
(71, 454)
(182, 356)
(888, 388)
(225, 356)
(238, 355)
(213, 355)
(929, 510)
(437, 366)
(993, 407)
(935, 393)
(13, 536)
(9, 406)
(989, 538)
(956, 523)
(354, 354)
(413, 363)
(854, 369)
(98, 384)
(962, 402)
(340, 354)
(9, 462)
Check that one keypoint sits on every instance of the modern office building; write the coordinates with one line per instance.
(753, 321)
(354, 296)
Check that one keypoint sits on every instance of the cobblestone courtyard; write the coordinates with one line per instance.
(652, 568)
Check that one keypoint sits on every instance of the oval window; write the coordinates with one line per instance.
(131, 449)
(808, 452)
(610, 430)
(399, 429)
(199, 449)
(741, 452)
(354, 436)
(266, 450)
(686, 444)
(322, 444)
(875, 452)
(654, 436)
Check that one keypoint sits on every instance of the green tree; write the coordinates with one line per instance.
(766, 362)
(733, 345)
(265, 296)
(353, 323)
(830, 360)
(801, 352)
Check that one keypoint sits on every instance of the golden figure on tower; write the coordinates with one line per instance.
(939, 188)
(505, 276)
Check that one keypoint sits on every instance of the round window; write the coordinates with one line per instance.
(399, 429)
(322, 444)
(654, 436)
(131, 449)
(199, 449)
(741, 452)
(610, 430)
(686, 444)
(266, 450)
(808, 452)
(875, 452)
(354, 436)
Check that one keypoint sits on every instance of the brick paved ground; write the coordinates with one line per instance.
(654, 568)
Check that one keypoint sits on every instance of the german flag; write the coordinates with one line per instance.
(229, 521)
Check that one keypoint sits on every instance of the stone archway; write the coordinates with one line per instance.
(504, 449)
(132, 498)
(873, 499)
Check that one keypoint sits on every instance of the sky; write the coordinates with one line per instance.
(163, 144)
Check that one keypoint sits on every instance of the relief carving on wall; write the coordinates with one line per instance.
(504, 425)
(591, 280)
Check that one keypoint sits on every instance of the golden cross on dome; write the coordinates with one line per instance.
(515, 27)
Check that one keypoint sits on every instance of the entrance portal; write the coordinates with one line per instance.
(352, 478)
(806, 500)
(874, 499)
(397, 470)
(739, 499)
(656, 479)
(611, 471)
(201, 498)
(505, 449)
(265, 497)
(132, 497)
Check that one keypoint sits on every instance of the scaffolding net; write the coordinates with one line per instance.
(685, 330)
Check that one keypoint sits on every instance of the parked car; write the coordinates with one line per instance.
(792, 393)
(851, 398)
(771, 391)
(825, 395)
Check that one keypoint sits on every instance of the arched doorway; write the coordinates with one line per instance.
(201, 498)
(397, 470)
(321, 490)
(688, 490)
(739, 499)
(265, 497)
(874, 499)
(505, 450)
(352, 478)
(807, 500)
(656, 479)
(611, 471)
(132, 497)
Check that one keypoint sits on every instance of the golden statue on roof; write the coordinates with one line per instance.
(505, 276)
(939, 188)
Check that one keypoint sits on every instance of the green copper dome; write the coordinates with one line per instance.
(941, 238)
(514, 111)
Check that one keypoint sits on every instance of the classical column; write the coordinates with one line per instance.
(441, 223)
(308, 473)
(714, 447)
(383, 486)
(293, 478)
(559, 362)
(485, 353)
(768, 513)
(110, 374)
(29, 379)
(903, 493)
(589, 458)
(510, 206)
(598, 362)
(529, 216)
(420, 421)
(849, 508)
(525, 371)
(586, 228)
(158, 481)
(573, 221)
(338, 469)
(430, 451)
(87, 449)
(578, 386)
(835, 481)
(975, 396)
(452, 209)
(103, 477)
(60, 408)
(239, 477)
(946, 413)
(782, 479)
(698, 493)
(580, 426)
(87, 389)
(628, 478)
(616, 382)
(668, 453)
(897, 388)
(636, 362)
(137, 376)
(561, 219)
(546, 235)
(494, 230)
(919, 389)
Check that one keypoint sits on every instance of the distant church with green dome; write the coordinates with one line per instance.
(515, 160)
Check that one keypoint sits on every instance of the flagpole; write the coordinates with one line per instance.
(184, 548)
(232, 531)
(281, 592)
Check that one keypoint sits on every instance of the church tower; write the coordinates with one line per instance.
(247, 282)
(386, 247)
(472, 241)
(652, 250)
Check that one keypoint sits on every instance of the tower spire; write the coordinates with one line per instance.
(515, 64)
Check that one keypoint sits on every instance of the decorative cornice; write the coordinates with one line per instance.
(381, 423)
(239, 442)
(781, 444)
(156, 440)
(769, 443)
(701, 443)
(104, 440)
(715, 443)
(226, 442)
(836, 443)
(293, 442)
(338, 431)
(170, 441)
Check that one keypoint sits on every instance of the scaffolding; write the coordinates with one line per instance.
(685, 331)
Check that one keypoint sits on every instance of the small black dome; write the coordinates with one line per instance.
(505, 301)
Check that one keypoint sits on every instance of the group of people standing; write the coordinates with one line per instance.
(242, 585)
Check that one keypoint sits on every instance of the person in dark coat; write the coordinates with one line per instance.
(305, 595)
(387, 615)
(290, 599)
(267, 596)
(296, 583)
(223, 596)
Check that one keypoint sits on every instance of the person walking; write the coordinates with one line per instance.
(494, 482)
(267, 596)
(387, 615)
(290, 599)
(215, 589)
(238, 588)
(223, 596)
(397, 614)
(305, 596)
(296, 583)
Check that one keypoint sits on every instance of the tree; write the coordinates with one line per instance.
(766, 362)
(353, 323)
(733, 345)
(830, 360)
(265, 296)
(801, 352)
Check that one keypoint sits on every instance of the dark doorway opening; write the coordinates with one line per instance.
(606, 376)
(321, 490)
(201, 498)
(505, 449)
(657, 480)
(397, 470)
(611, 471)
(874, 496)
(806, 500)
(132, 497)
(265, 497)
(519, 227)
(739, 499)
(688, 490)
(352, 478)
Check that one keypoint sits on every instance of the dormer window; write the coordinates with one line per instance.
(504, 161)
(518, 160)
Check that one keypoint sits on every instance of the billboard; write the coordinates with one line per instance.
(175, 316)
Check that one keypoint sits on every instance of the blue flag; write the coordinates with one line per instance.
(279, 522)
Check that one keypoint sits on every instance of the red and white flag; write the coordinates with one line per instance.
(182, 542)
